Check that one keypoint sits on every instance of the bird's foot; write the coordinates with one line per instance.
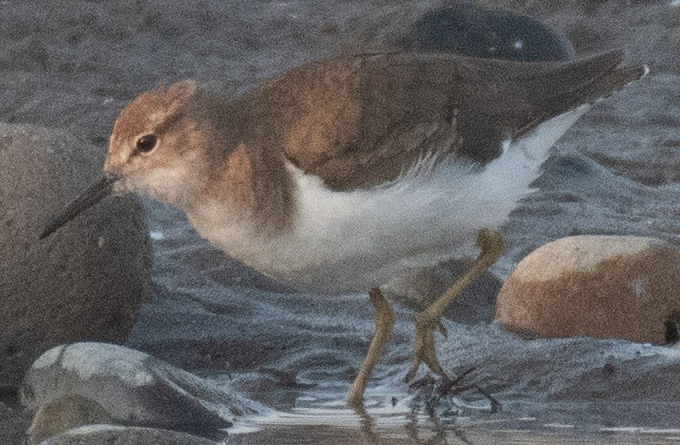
(425, 351)
(491, 246)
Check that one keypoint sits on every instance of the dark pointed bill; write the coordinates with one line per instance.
(90, 197)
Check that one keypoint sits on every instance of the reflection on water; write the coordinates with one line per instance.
(327, 435)
(330, 423)
(415, 434)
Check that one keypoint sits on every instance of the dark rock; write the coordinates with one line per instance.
(468, 29)
(87, 281)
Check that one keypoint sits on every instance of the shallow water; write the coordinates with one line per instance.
(316, 425)
(297, 353)
(616, 172)
(474, 435)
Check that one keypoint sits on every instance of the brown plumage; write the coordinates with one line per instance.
(360, 121)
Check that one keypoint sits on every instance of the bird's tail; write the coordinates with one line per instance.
(581, 82)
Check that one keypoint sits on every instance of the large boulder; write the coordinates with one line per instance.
(90, 383)
(600, 286)
(472, 30)
(85, 282)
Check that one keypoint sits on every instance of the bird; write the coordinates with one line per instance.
(341, 174)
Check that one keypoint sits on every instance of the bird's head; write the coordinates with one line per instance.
(157, 147)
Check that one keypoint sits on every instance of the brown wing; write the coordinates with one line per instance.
(360, 121)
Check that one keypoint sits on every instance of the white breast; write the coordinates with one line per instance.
(351, 241)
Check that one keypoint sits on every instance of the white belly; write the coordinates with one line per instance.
(356, 240)
(351, 241)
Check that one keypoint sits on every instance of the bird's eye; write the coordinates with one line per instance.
(146, 143)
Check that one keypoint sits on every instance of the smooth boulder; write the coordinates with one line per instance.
(599, 286)
(85, 282)
(472, 30)
(85, 383)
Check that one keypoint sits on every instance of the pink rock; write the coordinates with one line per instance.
(600, 286)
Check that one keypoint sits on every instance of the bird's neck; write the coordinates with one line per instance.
(256, 182)
(246, 183)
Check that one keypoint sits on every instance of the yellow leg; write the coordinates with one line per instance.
(384, 321)
(491, 245)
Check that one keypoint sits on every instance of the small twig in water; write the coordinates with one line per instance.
(446, 387)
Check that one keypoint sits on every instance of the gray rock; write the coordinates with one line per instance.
(130, 387)
(88, 280)
(118, 435)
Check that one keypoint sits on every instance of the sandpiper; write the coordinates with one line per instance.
(341, 174)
